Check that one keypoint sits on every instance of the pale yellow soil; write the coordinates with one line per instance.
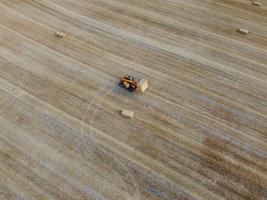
(199, 131)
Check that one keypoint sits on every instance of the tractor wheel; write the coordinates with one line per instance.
(131, 89)
(121, 85)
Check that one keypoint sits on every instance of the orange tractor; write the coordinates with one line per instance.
(128, 82)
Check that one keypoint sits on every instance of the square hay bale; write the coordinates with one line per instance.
(243, 31)
(60, 34)
(142, 85)
(127, 114)
(256, 3)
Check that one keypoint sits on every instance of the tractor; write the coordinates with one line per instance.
(128, 82)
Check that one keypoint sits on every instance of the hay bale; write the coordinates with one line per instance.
(142, 85)
(256, 3)
(243, 31)
(60, 34)
(127, 114)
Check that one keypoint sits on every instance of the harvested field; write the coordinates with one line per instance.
(199, 131)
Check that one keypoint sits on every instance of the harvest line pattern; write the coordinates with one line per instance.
(199, 132)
